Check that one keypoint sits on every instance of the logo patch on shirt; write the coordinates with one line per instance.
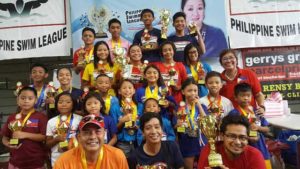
(32, 123)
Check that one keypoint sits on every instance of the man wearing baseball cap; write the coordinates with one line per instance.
(92, 152)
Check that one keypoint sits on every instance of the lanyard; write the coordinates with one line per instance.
(107, 104)
(60, 90)
(41, 94)
(247, 113)
(218, 99)
(26, 117)
(99, 160)
(89, 56)
(151, 94)
(113, 45)
(191, 115)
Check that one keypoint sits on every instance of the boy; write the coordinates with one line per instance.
(180, 39)
(214, 101)
(115, 28)
(148, 38)
(85, 53)
(258, 124)
(38, 74)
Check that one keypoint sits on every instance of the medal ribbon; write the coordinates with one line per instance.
(26, 117)
(113, 44)
(191, 115)
(151, 94)
(211, 102)
(107, 104)
(134, 112)
(194, 71)
(99, 160)
(246, 113)
(89, 56)
(40, 94)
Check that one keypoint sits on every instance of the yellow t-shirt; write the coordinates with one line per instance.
(90, 74)
(112, 158)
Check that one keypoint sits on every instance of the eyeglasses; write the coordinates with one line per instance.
(234, 137)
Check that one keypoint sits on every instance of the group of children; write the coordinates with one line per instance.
(180, 88)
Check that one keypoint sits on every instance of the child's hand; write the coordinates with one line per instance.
(167, 104)
(179, 122)
(19, 135)
(59, 138)
(50, 100)
(14, 146)
(260, 112)
(254, 127)
(126, 118)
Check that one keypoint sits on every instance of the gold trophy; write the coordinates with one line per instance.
(147, 36)
(62, 130)
(181, 114)
(51, 92)
(120, 56)
(201, 75)
(252, 119)
(130, 125)
(142, 68)
(192, 29)
(165, 21)
(172, 72)
(81, 57)
(163, 91)
(15, 126)
(207, 125)
(19, 86)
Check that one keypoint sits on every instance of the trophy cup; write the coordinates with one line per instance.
(181, 114)
(207, 125)
(15, 126)
(120, 56)
(252, 119)
(163, 91)
(172, 72)
(19, 86)
(165, 21)
(130, 125)
(81, 57)
(51, 92)
(99, 18)
(201, 75)
(146, 36)
(62, 130)
(192, 29)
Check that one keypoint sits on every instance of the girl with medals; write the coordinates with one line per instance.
(127, 119)
(24, 133)
(102, 65)
(153, 85)
(173, 73)
(190, 139)
(195, 68)
(94, 104)
(61, 129)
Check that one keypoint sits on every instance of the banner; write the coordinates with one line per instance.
(263, 23)
(35, 28)
(278, 69)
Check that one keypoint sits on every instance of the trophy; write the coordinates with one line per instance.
(81, 57)
(130, 125)
(216, 111)
(62, 130)
(99, 18)
(85, 92)
(15, 126)
(51, 92)
(181, 114)
(143, 67)
(165, 21)
(120, 57)
(252, 119)
(163, 91)
(192, 29)
(172, 72)
(207, 125)
(19, 86)
(146, 37)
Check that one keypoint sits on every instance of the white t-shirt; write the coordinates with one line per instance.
(226, 104)
(51, 131)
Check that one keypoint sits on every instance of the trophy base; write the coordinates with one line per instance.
(163, 36)
(253, 133)
(163, 102)
(201, 82)
(51, 106)
(215, 160)
(101, 35)
(181, 129)
(171, 83)
(148, 46)
(63, 146)
(14, 141)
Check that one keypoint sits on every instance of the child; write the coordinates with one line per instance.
(94, 104)
(103, 86)
(214, 102)
(29, 150)
(181, 40)
(152, 88)
(173, 73)
(195, 68)
(258, 124)
(115, 29)
(65, 106)
(85, 53)
(189, 138)
(39, 74)
(136, 72)
(102, 65)
(127, 120)
(151, 105)
(148, 38)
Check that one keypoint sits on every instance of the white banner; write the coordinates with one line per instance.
(36, 28)
(262, 23)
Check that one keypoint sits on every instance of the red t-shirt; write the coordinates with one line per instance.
(251, 158)
(179, 77)
(31, 154)
(243, 75)
(136, 76)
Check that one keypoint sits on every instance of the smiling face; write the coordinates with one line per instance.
(193, 55)
(152, 106)
(91, 138)
(64, 76)
(102, 52)
(190, 92)
(38, 74)
(135, 53)
(179, 23)
(194, 10)
(151, 75)
(214, 85)
(126, 90)
(65, 104)
(103, 84)
(147, 18)
(152, 131)
(93, 106)
(229, 61)
(168, 52)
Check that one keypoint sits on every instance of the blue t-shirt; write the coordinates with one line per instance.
(203, 91)
(260, 144)
(168, 156)
(110, 128)
(180, 43)
(151, 55)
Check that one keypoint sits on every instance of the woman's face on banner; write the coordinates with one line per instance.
(194, 10)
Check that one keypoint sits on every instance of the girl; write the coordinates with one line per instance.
(172, 72)
(127, 120)
(195, 68)
(152, 88)
(188, 139)
(94, 104)
(102, 64)
(24, 133)
(65, 105)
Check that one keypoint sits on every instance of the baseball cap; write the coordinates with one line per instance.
(91, 119)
